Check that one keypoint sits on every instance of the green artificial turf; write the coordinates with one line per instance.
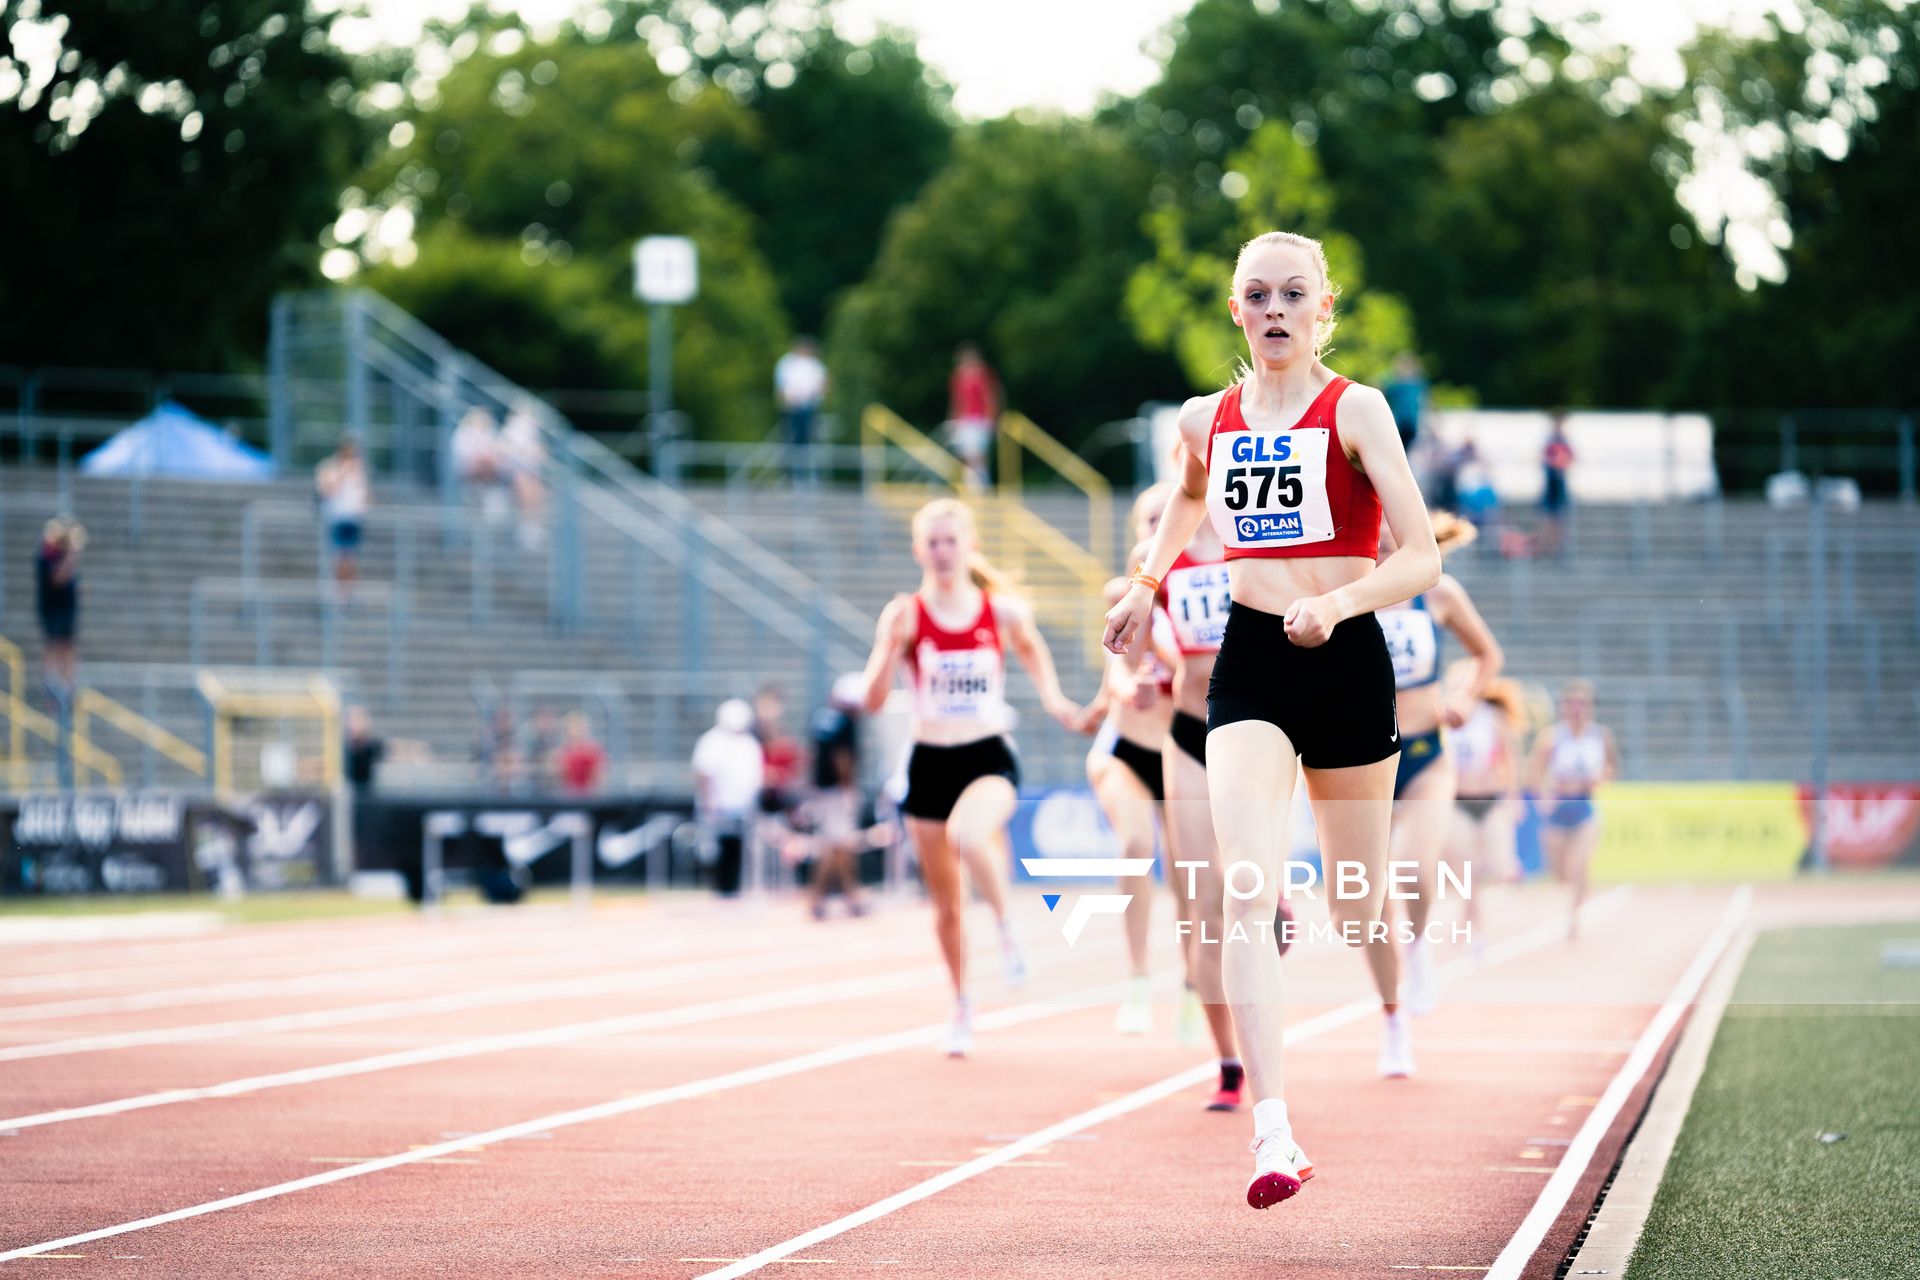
(1822, 1037)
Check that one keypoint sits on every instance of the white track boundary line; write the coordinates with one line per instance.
(506, 1042)
(593, 984)
(1533, 940)
(479, 963)
(1566, 1177)
(776, 1070)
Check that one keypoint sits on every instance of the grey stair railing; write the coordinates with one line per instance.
(389, 360)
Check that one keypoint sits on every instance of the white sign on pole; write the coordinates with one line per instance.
(665, 269)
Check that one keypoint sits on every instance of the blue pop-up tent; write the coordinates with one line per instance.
(172, 441)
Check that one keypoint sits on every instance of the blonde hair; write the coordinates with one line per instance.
(1450, 532)
(1511, 699)
(1153, 494)
(984, 575)
(1323, 326)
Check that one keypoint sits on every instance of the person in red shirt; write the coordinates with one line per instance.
(580, 763)
(973, 406)
(780, 752)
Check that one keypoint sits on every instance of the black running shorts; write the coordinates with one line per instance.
(937, 775)
(1334, 702)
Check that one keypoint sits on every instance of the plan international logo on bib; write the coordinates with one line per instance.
(1269, 528)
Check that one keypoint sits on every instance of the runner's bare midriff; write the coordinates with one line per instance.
(1273, 585)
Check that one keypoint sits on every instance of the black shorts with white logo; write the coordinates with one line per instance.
(1334, 702)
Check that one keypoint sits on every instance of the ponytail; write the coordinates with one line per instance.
(988, 578)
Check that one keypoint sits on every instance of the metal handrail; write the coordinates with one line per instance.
(1017, 431)
(15, 663)
(91, 702)
(86, 756)
(314, 693)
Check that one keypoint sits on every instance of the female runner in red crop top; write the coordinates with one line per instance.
(1295, 466)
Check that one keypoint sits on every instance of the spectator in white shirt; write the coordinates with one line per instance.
(345, 494)
(800, 384)
(728, 769)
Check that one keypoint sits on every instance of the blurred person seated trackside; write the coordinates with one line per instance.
(495, 750)
(56, 598)
(538, 747)
(366, 751)
(579, 763)
(346, 493)
(728, 773)
(779, 752)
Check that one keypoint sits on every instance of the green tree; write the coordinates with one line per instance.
(169, 177)
(530, 176)
(1560, 266)
(1023, 244)
(847, 135)
(1178, 301)
(1370, 86)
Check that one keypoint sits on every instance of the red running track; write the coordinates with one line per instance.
(663, 1089)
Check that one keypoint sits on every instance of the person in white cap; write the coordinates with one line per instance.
(727, 773)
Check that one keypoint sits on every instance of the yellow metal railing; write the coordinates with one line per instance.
(1017, 432)
(1063, 579)
(23, 720)
(314, 698)
(92, 704)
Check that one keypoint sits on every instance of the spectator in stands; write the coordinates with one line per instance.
(727, 776)
(1406, 393)
(345, 495)
(1556, 459)
(779, 753)
(366, 751)
(538, 752)
(477, 461)
(494, 749)
(56, 596)
(973, 407)
(579, 763)
(1474, 493)
(800, 385)
(523, 462)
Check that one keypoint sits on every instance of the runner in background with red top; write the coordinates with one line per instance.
(1295, 466)
(951, 637)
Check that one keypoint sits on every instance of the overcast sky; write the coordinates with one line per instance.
(1063, 54)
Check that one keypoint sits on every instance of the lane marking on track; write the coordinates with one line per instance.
(584, 986)
(1535, 939)
(872, 1046)
(566, 1033)
(1573, 1165)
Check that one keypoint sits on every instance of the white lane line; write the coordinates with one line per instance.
(1559, 1189)
(852, 1051)
(479, 966)
(1533, 940)
(506, 1042)
(455, 1002)
(303, 959)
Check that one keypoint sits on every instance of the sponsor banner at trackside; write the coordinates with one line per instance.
(531, 838)
(161, 842)
(1869, 824)
(1699, 831)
